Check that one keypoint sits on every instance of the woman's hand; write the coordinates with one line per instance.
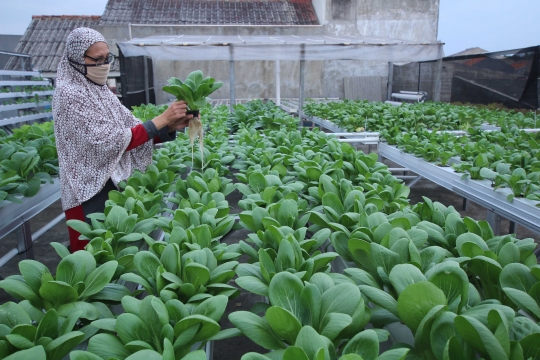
(175, 117)
(181, 123)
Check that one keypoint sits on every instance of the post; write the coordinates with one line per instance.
(24, 240)
(437, 88)
(278, 83)
(390, 80)
(494, 221)
(419, 73)
(302, 77)
(232, 100)
(146, 92)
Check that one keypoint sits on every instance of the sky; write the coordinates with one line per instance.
(492, 25)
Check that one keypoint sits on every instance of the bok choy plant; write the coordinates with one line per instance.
(194, 90)
(189, 277)
(333, 311)
(50, 337)
(154, 329)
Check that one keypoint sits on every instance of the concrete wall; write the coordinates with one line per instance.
(415, 20)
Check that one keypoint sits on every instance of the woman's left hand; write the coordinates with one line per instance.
(181, 123)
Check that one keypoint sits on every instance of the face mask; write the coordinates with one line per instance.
(98, 74)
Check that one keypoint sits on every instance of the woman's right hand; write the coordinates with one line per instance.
(175, 115)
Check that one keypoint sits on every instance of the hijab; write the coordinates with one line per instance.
(92, 128)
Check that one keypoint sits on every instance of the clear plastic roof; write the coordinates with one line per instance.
(287, 47)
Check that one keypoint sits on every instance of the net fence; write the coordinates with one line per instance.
(508, 77)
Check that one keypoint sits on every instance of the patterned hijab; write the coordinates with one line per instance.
(92, 128)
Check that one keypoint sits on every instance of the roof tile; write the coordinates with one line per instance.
(210, 12)
(45, 38)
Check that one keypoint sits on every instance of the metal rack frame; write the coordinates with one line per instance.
(16, 217)
(13, 216)
(24, 94)
(521, 211)
(27, 105)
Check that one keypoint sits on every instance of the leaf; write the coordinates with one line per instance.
(403, 275)
(48, 326)
(523, 326)
(257, 182)
(131, 328)
(343, 298)
(523, 300)
(454, 283)
(146, 264)
(58, 293)
(19, 289)
(416, 301)
(71, 270)
(470, 237)
(284, 324)
(61, 250)
(87, 311)
(294, 353)
(32, 271)
(284, 291)
(145, 355)
(422, 334)
(257, 329)
(394, 354)
(37, 352)
(112, 292)
(310, 305)
(98, 278)
(442, 329)
(517, 276)
(105, 324)
(207, 327)
(83, 355)
(310, 341)
(333, 324)
(485, 268)
(213, 307)
(531, 346)
(19, 341)
(288, 213)
(196, 274)
(508, 254)
(61, 346)
(365, 344)
(253, 284)
(381, 298)
(479, 337)
(332, 200)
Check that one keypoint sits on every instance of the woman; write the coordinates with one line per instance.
(99, 141)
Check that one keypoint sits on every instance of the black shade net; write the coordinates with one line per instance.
(508, 77)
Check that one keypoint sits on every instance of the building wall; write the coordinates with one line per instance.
(415, 20)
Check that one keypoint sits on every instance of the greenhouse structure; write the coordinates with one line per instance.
(289, 227)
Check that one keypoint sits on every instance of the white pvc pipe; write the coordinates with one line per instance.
(363, 140)
(356, 134)
(47, 227)
(10, 255)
